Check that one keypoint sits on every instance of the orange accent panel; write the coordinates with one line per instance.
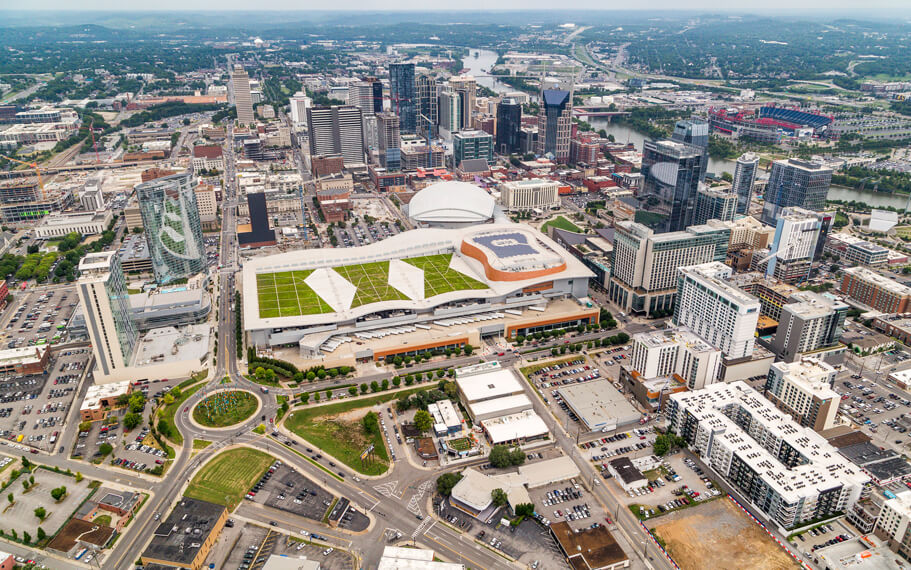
(498, 275)
(592, 317)
(424, 346)
(539, 287)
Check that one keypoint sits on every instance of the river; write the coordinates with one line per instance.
(480, 68)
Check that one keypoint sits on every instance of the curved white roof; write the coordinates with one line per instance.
(451, 202)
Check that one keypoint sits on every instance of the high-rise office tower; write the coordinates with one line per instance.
(714, 204)
(644, 274)
(744, 178)
(428, 92)
(243, 100)
(173, 229)
(467, 87)
(337, 130)
(672, 171)
(105, 303)
(715, 310)
(299, 105)
(692, 131)
(450, 111)
(402, 95)
(366, 95)
(795, 182)
(509, 122)
(555, 124)
(389, 140)
(809, 322)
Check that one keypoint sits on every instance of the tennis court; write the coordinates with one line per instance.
(286, 294)
(439, 278)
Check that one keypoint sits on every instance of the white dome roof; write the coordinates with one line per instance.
(451, 202)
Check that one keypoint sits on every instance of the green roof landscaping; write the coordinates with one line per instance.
(439, 278)
(286, 294)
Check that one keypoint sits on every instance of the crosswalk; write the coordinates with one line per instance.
(414, 504)
(388, 488)
(422, 528)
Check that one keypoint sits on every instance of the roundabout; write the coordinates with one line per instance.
(225, 409)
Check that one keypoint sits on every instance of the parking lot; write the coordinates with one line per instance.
(676, 484)
(635, 443)
(358, 234)
(33, 408)
(20, 515)
(40, 317)
(248, 546)
(823, 536)
(284, 488)
(135, 449)
(212, 248)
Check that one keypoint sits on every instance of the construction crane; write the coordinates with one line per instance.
(32, 165)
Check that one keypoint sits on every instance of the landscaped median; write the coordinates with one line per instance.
(173, 400)
(343, 431)
(228, 476)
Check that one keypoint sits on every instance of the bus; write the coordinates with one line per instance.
(81, 553)
(61, 327)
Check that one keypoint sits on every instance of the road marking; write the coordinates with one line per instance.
(388, 489)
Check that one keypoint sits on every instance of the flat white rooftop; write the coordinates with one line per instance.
(497, 383)
(525, 424)
(506, 403)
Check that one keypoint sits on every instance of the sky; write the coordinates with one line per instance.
(823, 7)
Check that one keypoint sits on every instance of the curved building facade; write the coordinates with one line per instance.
(173, 230)
(452, 204)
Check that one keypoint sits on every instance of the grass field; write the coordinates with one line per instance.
(225, 408)
(372, 282)
(344, 440)
(561, 223)
(439, 278)
(286, 294)
(227, 477)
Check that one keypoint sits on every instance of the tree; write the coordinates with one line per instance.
(131, 420)
(124, 399)
(26, 537)
(11, 498)
(517, 456)
(499, 497)
(446, 482)
(525, 510)
(40, 513)
(25, 462)
(85, 426)
(665, 443)
(328, 394)
(371, 423)
(25, 484)
(468, 350)
(137, 402)
(78, 477)
(352, 390)
(364, 388)
(422, 420)
(305, 397)
(499, 456)
(105, 449)
(374, 386)
(41, 534)
(396, 381)
(58, 493)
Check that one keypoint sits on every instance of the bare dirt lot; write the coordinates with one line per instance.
(719, 535)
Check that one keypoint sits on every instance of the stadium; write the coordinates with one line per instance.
(422, 290)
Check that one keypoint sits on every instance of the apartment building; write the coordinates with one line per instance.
(803, 389)
(876, 290)
(809, 322)
(787, 471)
(894, 524)
(680, 353)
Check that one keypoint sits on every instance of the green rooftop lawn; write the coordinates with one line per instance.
(561, 223)
(372, 282)
(286, 294)
(439, 278)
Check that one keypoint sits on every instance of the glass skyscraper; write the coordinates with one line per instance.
(795, 182)
(555, 124)
(402, 95)
(672, 171)
(172, 227)
(509, 123)
(744, 178)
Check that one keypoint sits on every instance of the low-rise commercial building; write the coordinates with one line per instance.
(529, 194)
(589, 548)
(55, 226)
(186, 536)
(896, 325)
(598, 405)
(24, 360)
(789, 472)
(398, 558)
(102, 398)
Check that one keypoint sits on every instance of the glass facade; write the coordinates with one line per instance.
(509, 123)
(116, 287)
(172, 227)
(402, 95)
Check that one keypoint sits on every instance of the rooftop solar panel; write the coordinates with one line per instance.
(512, 244)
